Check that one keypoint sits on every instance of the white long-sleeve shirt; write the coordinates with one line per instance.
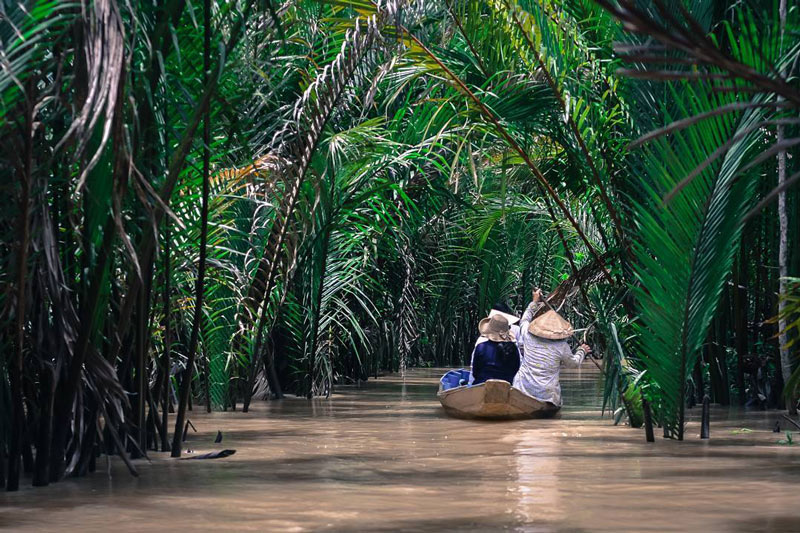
(541, 361)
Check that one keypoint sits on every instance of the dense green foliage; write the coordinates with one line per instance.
(350, 186)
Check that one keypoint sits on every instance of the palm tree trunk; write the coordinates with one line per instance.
(201, 268)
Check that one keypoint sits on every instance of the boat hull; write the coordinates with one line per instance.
(494, 399)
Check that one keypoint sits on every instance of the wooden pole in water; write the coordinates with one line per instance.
(648, 421)
(704, 424)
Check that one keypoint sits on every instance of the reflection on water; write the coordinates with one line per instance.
(536, 484)
(384, 457)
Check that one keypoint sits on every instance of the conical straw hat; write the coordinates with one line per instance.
(551, 326)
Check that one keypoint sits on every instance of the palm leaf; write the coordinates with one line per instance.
(684, 250)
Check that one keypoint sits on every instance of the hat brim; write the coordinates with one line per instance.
(550, 335)
(499, 337)
(551, 326)
(511, 318)
(493, 335)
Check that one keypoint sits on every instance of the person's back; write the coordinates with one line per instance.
(540, 370)
(495, 360)
(497, 357)
(503, 310)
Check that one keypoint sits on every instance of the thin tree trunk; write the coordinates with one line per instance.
(648, 421)
(719, 353)
(783, 250)
(165, 359)
(41, 475)
(201, 269)
(15, 368)
(141, 378)
(206, 161)
(2, 466)
(740, 324)
(27, 452)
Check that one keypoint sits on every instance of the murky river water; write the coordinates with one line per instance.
(384, 457)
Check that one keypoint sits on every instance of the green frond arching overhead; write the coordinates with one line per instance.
(425, 58)
(576, 83)
(380, 175)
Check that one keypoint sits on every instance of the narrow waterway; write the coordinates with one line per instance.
(384, 457)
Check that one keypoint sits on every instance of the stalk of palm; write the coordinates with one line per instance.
(526, 26)
(427, 60)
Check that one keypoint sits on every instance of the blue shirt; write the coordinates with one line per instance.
(495, 360)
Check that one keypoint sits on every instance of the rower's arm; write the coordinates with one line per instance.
(569, 359)
(527, 317)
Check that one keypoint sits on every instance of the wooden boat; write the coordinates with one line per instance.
(494, 399)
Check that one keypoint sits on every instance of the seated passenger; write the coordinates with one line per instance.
(545, 350)
(498, 356)
(499, 308)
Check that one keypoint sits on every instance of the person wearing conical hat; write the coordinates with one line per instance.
(545, 349)
(498, 356)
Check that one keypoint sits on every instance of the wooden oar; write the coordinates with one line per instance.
(585, 331)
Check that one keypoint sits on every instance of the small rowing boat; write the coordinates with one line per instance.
(494, 399)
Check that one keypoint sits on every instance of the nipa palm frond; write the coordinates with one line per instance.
(684, 250)
(298, 141)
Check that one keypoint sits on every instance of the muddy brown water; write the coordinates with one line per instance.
(383, 457)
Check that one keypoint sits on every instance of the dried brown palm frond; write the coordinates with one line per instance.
(584, 277)
(103, 51)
